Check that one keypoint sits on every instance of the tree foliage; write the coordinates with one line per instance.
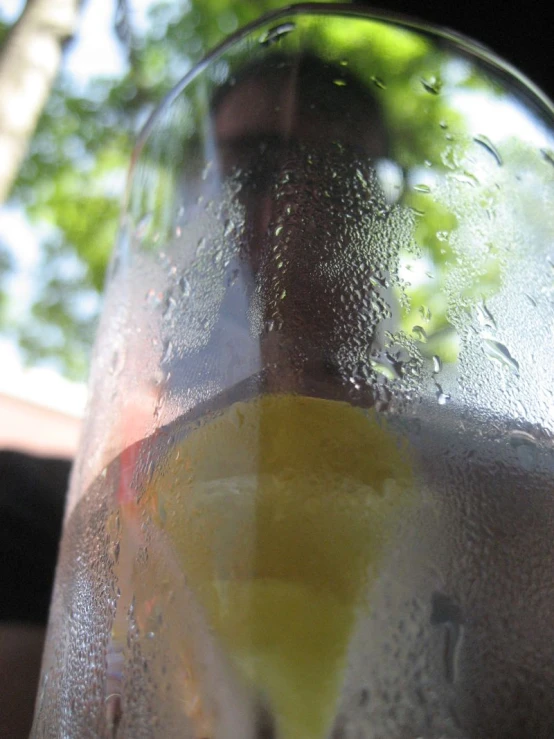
(73, 177)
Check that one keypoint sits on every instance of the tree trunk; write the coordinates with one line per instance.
(29, 63)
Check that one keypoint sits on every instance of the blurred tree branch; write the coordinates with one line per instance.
(29, 63)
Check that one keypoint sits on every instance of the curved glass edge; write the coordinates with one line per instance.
(460, 41)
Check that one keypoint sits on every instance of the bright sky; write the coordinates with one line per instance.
(95, 52)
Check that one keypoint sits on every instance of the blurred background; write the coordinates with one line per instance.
(78, 78)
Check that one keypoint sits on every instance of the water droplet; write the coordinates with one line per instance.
(378, 82)
(443, 235)
(170, 306)
(228, 227)
(143, 226)
(525, 445)
(548, 154)
(420, 333)
(442, 397)
(184, 286)
(422, 188)
(276, 33)
(432, 84)
(484, 316)
(178, 232)
(486, 143)
(114, 712)
(498, 352)
(519, 436)
(447, 614)
(387, 366)
(167, 351)
(425, 313)
(206, 170)
(201, 245)
(283, 295)
(378, 281)
(278, 230)
(339, 82)
(233, 277)
(437, 364)
(531, 300)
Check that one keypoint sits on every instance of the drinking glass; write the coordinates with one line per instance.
(314, 495)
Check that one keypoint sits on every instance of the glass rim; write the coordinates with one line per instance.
(468, 45)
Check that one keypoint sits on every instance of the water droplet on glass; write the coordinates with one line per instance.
(425, 313)
(531, 300)
(484, 316)
(167, 351)
(432, 84)
(525, 445)
(339, 82)
(228, 227)
(448, 615)
(487, 144)
(278, 230)
(387, 366)
(142, 226)
(422, 188)
(283, 295)
(272, 35)
(420, 333)
(184, 286)
(443, 235)
(170, 306)
(378, 281)
(178, 232)
(442, 397)
(378, 82)
(519, 436)
(437, 364)
(498, 352)
(201, 245)
(548, 154)
(233, 277)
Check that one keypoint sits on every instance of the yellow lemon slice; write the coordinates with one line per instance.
(279, 510)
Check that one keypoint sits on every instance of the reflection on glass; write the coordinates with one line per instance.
(313, 497)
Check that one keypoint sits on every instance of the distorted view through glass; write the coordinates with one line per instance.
(312, 394)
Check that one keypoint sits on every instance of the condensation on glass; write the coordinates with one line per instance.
(341, 207)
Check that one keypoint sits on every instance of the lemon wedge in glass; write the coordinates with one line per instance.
(279, 510)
